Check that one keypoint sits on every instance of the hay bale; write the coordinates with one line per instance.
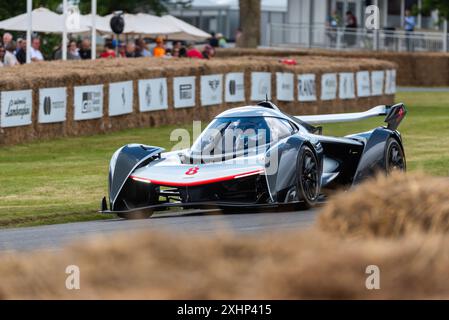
(79, 73)
(292, 265)
(391, 206)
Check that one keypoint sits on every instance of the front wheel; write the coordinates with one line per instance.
(308, 177)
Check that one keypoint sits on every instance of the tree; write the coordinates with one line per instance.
(441, 5)
(10, 9)
(250, 23)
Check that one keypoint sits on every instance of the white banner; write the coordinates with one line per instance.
(329, 86)
(184, 92)
(363, 84)
(260, 86)
(284, 86)
(390, 82)
(16, 108)
(347, 85)
(307, 87)
(377, 83)
(235, 87)
(120, 98)
(153, 94)
(211, 89)
(88, 102)
(52, 105)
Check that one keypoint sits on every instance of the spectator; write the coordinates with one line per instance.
(142, 47)
(108, 51)
(238, 38)
(208, 52)
(10, 60)
(18, 45)
(179, 50)
(213, 41)
(222, 43)
(36, 54)
(131, 51)
(159, 50)
(193, 52)
(21, 54)
(409, 26)
(7, 38)
(2, 55)
(122, 50)
(72, 51)
(332, 24)
(85, 51)
(350, 28)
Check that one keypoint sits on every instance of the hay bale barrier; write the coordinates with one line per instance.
(392, 206)
(72, 74)
(422, 69)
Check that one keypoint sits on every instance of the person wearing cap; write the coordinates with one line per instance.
(159, 50)
(222, 43)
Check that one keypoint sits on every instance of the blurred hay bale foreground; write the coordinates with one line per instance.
(293, 265)
(390, 207)
(282, 266)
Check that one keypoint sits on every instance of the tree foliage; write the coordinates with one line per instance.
(441, 5)
(10, 9)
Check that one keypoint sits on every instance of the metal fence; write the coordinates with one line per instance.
(321, 36)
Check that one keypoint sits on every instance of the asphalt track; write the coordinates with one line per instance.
(54, 237)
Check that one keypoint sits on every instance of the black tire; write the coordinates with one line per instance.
(394, 157)
(308, 175)
(138, 215)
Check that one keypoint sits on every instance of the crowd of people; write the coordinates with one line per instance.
(14, 52)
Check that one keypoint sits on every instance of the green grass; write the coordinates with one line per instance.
(64, 180)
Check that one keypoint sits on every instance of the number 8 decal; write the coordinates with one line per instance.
(192, 171)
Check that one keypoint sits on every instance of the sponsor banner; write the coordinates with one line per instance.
(211, 89)
(377, 83)
(52, 105)
(120, 98)
(88, 102)
(363, 84)
(390, 81)
(307, 87)
(329, 86)
(260, 86)
(16, 108)
(184, 92)
(284, 86)
(346, 85)
(153, 94)
(235, 87)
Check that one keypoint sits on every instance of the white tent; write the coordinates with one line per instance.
(186, 31)
(44, 20)
(137, 24)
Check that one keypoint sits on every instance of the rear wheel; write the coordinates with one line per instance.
(394, 157)
(308, 176)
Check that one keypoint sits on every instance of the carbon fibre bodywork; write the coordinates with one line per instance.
(145, 178)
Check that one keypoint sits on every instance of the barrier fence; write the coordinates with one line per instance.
(337, 38)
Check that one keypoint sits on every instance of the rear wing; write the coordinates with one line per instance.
(394, 115)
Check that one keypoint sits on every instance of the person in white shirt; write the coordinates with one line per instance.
(10, 59)
(36, 54)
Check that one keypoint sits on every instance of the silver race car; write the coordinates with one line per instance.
(254, 157)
